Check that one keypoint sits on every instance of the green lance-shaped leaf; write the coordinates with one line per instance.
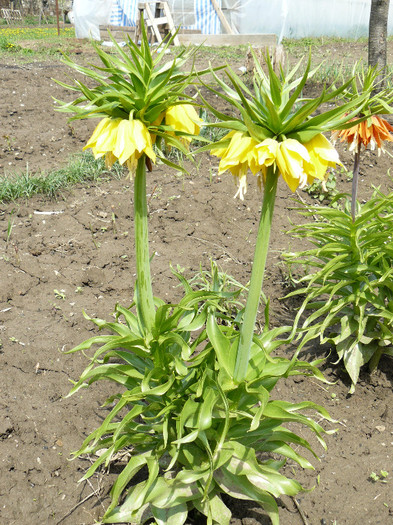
(241, 488)
(224, 348)
(215, 510)
(244, 463)
(133, 466)
(176, 515)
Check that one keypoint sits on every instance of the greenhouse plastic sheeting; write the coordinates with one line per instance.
(206, 19)
(285, 18)
(307, 18)
(193, 14)
(89, 15)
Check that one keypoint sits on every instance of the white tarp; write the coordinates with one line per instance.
(89, 15)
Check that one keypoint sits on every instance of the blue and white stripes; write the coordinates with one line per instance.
(206, 17)
(125, 13)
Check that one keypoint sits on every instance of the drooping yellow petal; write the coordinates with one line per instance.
(267, 152)
(192, 117)
(97, 132)
(132, 162)
(157, 122)
(125, 141)
(237, 158)
(323, 155)
(290, 159)
(106, 141)
(239, 149)
(221, 150)
(142, 139)
(183, 118)
(110, 159)
(252, 161)
(139, 133)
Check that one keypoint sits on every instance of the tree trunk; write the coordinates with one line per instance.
(377, 35)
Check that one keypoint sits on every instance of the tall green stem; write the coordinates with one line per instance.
(145, 303)
(355, 180)
(257, 273)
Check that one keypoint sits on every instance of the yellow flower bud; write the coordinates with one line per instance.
(183, 118)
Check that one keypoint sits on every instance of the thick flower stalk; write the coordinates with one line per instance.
(298, 164)
(275, 136)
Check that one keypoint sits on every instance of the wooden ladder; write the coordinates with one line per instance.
(157, 24)
(11, 15)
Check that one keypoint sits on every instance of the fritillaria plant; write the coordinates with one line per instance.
(141, 101)
(348, 292)
(276, 134)
(372, 130)
(195, 408)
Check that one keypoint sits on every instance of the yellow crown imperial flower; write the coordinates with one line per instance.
(292, 160)
(183, 118)
(237, 158)
(323, 155)
(299, 164)
(122, 140)
(103, 138)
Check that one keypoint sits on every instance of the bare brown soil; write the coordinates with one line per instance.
(68, 255)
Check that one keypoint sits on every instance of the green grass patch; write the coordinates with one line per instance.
(306, 43)
(225, 52)
(18, 34)
(36, 42)
(81, 168)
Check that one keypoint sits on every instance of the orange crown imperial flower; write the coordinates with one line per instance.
(374, 131)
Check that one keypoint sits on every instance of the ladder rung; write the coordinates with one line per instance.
(157, 21)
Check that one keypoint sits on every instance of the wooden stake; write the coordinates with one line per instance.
(223, 20)
(152, 21)
(57, 17)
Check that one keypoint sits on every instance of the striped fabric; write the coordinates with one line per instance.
(125, 13)
(206, 17)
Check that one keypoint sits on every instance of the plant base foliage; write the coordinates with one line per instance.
(348, 280)
(180, 414)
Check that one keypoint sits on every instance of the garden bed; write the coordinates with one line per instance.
(59, 257)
